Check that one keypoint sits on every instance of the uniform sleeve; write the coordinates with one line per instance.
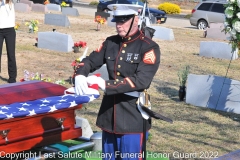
(143, 76)
(92, 62)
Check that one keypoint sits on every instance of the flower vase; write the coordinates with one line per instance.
(30, 30)
(76, 50)
(182, 93)
(98, 27)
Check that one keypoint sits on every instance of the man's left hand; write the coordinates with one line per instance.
(96, 80)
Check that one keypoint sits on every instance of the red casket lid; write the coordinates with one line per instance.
(28, 90)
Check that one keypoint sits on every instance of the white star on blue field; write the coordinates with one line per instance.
(43, 105)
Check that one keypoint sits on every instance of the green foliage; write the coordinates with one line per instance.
(183, 75)
(188, 16)
(149, 136)
(169, 8)
(95, 3)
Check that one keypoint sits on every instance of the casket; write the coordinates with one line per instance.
(23, 132)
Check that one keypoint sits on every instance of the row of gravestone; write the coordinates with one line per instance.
(208, 48)
(27, 6)
(213, 49)
(217, 49)
(212, 91)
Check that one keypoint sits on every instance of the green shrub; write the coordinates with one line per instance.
(95, 3)
(169, 8)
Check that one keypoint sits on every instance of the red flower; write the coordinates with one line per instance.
(80, 44)
(22, 80)
(74, 63)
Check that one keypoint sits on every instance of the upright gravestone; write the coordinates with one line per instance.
(217, 50)
(55, 41)
(215, 31)
(39, 8)
(53, 7)
(70, 11)
(109, 21)
(163, 33)
(22, 7)
(30, 3)
(213, 92)
(56, 20)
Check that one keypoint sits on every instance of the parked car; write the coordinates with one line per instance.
(207, 12)
(159, 14)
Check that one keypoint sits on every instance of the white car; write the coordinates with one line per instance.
(207, 12)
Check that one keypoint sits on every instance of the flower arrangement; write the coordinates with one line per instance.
(36, 76)
(16, 26)
(100, 20)
(80, 44)
(32, 25)
(46, 2)
(232, 22)
(183, 75)
(75, 63)
(64, 4)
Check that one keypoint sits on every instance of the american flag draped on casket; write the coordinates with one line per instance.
(30, 113)
(43, 105)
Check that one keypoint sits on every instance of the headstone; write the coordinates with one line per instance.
(213, 92)
(215, 31)
(217, 50)
(163, 33)
(30, 3)
(22, 7)
(230, 156)
(86, 128)
(55, 41)
(109, 23)
(70, 11)
(102, 71)
(39, 8)
(56, 19)
(53, 7)
(102, 14)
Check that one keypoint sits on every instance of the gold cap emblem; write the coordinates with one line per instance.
(114, 7)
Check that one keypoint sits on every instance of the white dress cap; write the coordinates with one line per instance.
(124, 9)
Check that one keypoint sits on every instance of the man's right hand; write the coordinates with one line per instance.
(81, 85)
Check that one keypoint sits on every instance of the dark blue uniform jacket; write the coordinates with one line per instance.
(131, 63)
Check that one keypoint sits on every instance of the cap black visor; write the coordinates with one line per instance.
(122, 19)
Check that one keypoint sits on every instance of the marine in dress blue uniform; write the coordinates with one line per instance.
(131, 61)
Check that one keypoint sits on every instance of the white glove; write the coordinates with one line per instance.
(81, 86)
(96, 80)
